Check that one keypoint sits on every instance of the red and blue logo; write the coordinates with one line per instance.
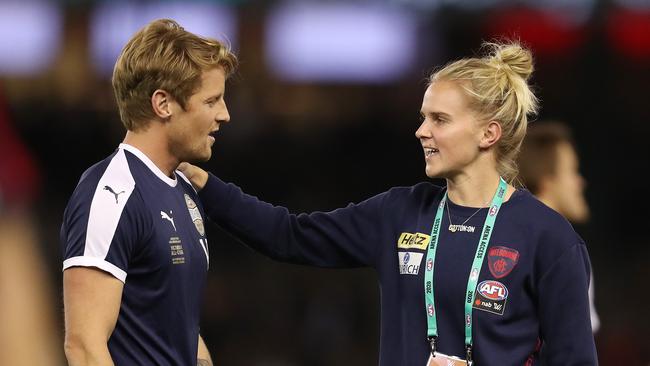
(502, 260)
(493, 210)
(493, 290)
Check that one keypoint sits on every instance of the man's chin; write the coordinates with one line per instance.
(199, 157)
(205, 157)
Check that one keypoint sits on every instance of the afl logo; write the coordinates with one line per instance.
(429, 264)
(430, 309)
(493, 290)
(493, 210)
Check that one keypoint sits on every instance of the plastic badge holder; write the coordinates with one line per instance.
(444, 360)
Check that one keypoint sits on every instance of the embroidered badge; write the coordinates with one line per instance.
(502, 260)
(195, 214)
(491, 296)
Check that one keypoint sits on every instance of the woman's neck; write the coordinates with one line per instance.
(476, 190)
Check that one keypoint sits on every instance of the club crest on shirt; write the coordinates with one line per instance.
(502, 260)
(195, 214)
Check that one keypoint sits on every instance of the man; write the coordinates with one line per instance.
(135, 251)
(548, 167)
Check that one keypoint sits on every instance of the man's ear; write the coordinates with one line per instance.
(491, 134)
(160, 103)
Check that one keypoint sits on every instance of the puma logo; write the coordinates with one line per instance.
(164, 215)
(107, 188)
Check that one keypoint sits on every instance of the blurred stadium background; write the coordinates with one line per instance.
(324, 109)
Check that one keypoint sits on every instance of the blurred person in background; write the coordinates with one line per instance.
(549, 168)
(532, 290)
(135, 251)
(28, 333)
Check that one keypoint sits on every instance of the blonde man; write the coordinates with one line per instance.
(135, 250)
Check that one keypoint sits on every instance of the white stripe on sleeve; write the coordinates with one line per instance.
(95, 262)
(112, 193)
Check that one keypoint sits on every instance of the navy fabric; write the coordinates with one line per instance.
(165, 263)
(536, 256)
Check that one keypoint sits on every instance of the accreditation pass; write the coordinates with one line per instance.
(444, 360)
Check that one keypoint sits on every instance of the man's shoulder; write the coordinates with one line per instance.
(115, 168)
(112, 175)
(105, 191)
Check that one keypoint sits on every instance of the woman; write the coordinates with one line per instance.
(442, 302)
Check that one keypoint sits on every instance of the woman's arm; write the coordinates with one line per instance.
(346, 237)
(564, 309)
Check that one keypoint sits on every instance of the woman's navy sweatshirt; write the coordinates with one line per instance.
(532, 286)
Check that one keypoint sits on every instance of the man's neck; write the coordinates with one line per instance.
(153, 143)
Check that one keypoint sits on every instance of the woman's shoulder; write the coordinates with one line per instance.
(403, 200)
(541, 221)
(420, 191)
(525, 201)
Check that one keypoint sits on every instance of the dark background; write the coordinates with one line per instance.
(315, 145)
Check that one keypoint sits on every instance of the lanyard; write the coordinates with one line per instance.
(484, 239)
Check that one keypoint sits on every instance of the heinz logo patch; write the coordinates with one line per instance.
(491, 296)
(409, 262)
(413, 241)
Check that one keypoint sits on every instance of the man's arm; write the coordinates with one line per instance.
(203, 358)
(91, 299)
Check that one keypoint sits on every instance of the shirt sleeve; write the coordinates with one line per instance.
(346, 237)
(564, 309)
(103, 224)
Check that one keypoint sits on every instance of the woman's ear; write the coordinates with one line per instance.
(491, 134)
(160, 103)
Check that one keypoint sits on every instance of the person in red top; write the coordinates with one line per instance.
(27, 332)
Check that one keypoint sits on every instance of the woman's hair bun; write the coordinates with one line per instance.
(512, 56)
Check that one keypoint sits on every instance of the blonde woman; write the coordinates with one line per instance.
(475, 272)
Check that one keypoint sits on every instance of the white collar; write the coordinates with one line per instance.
(145, 159)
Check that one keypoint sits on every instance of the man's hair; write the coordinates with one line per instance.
(163, 55)
(538, 157)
